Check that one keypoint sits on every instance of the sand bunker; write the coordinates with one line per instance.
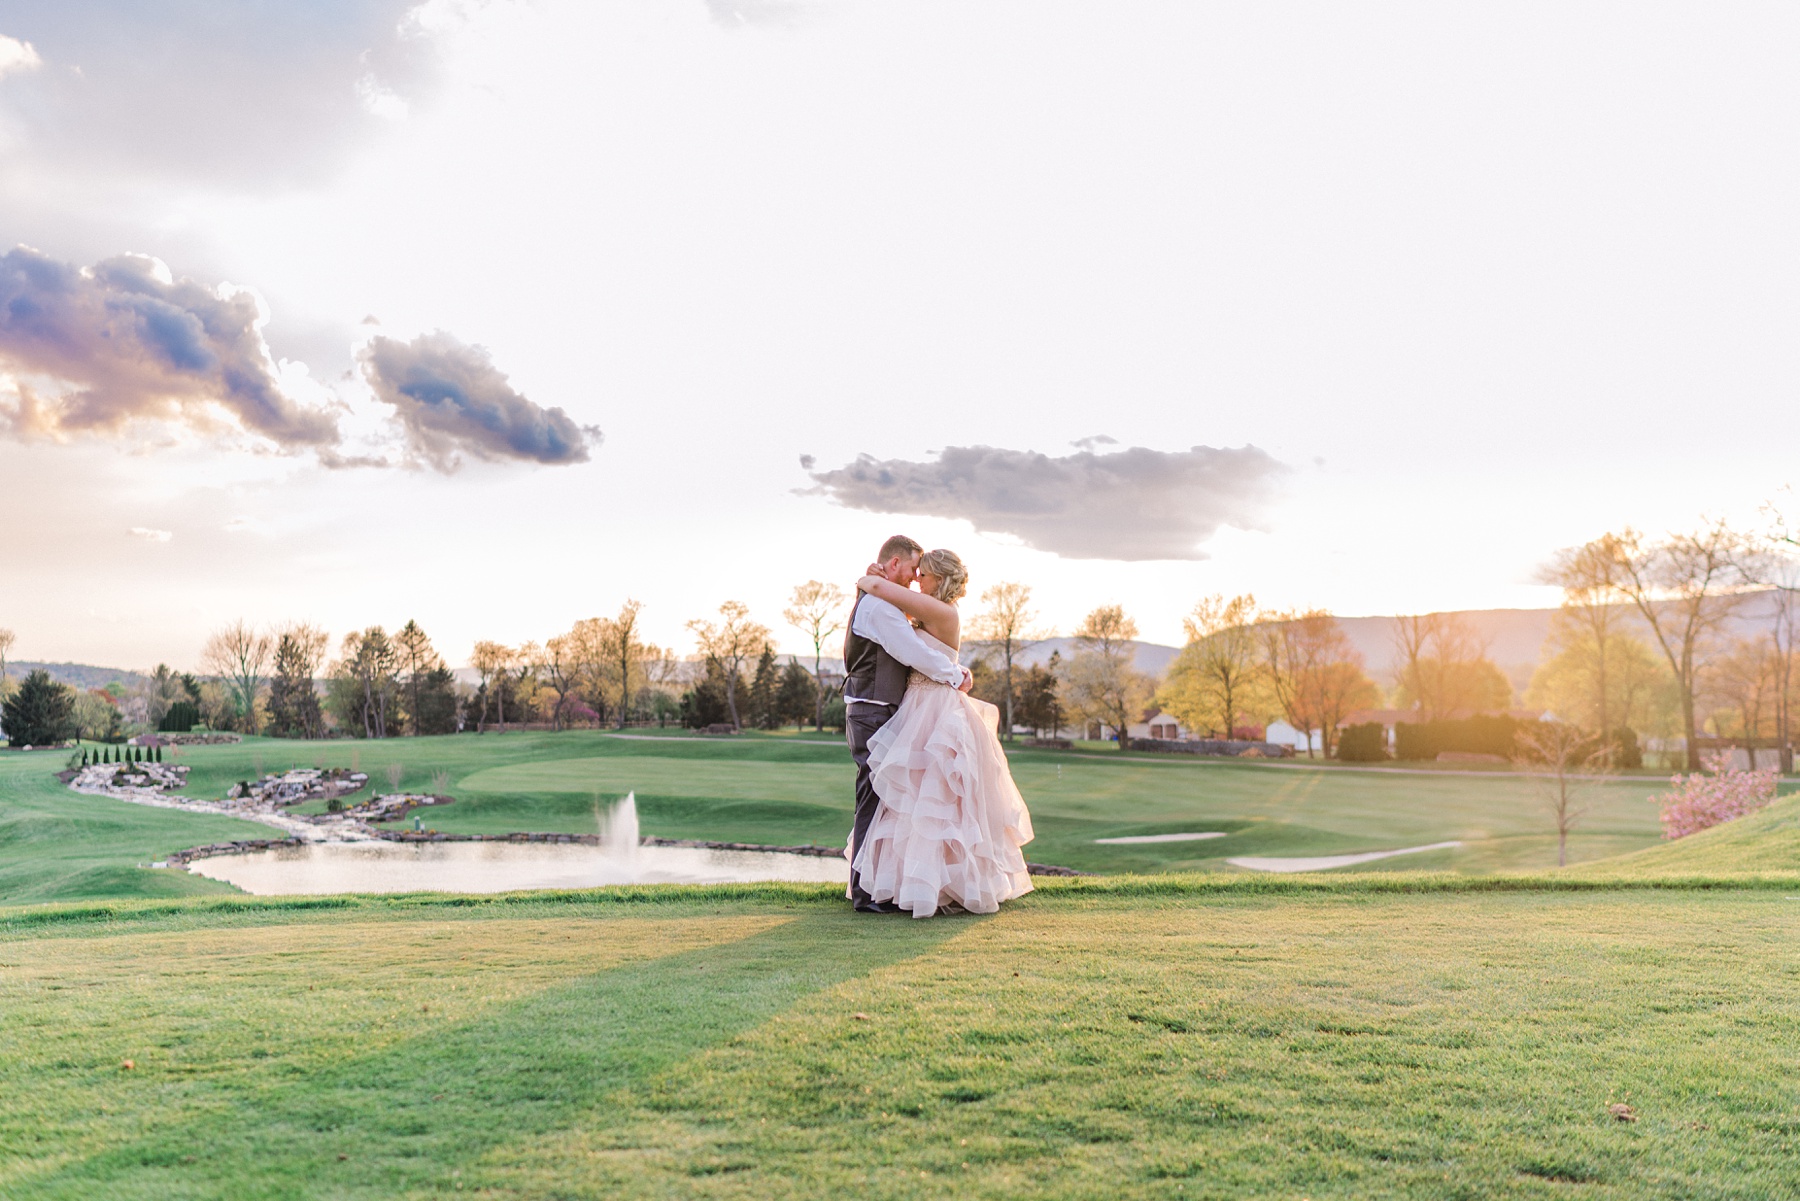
(1163, 837)
(1324, 863)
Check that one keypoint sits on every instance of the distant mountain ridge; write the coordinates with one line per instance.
(78, 675)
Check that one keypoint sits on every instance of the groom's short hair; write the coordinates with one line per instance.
(899, 544)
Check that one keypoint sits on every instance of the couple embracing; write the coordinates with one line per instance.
(939, 821)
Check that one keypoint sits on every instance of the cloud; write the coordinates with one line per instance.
(452, 400)
(254, 97)
(1134, 504)
(17, 56)
(124, 342)
(149, 535)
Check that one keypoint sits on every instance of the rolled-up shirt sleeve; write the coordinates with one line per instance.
(879, 620)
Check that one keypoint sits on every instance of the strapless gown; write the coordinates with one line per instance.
(951, 821)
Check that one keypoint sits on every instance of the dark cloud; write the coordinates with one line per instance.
(1134, 504)
(97, 350)
(452, 400)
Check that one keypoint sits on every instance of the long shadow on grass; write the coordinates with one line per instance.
(412, 1114)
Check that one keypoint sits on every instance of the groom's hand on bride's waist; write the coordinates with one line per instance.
(968, 681)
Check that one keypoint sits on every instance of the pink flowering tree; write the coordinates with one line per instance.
(1716, 795)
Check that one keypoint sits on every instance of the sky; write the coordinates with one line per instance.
(495, 313)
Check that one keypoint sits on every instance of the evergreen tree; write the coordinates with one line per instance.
(293, 700)
(764, 714)
(40, 712)
(436, 701)
(794, 700)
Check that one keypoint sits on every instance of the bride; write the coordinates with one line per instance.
(951, 821)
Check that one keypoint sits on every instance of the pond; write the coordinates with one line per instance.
(331, 867)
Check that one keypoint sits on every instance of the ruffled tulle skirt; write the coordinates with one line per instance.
(951, 821)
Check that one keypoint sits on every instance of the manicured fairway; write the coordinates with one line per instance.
(1142, 1039)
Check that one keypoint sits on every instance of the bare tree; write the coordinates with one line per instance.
(557, 666)
(491, 661)
(732, 642)
(1007, 625)
(1684, 588)
(1563, 765)
(1102, 680)
(817, 610)
(1220, 666)
(7, 637)
(239, 655)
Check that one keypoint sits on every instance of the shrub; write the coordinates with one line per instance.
(1699, 801)
(1473, 735)
(182, 717)
(1365, 743)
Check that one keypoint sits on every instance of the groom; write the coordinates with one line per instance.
(879, 648)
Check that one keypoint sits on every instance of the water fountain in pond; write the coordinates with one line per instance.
(619, 832)
(320, 868)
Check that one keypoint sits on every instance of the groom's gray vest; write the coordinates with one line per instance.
(870, 673)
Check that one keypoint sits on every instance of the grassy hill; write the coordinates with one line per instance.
(1765, 841)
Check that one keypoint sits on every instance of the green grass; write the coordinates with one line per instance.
(1348, 1036)
(1765, 841)
(783, 789)
(57, 845)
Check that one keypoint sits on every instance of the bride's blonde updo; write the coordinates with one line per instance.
(953, 577)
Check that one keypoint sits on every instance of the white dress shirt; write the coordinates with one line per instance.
(882, 622)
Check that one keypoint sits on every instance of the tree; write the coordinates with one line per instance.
(763, 713)
(1638, 693)
(94, 715)
(437, 702)
(1219, 670)
(1563, 764)
(557, 668)
(1592, 616)
(417, 659)
(816, 610)
(369, 663)
(40, 712)
(1315, 673)
(293, 701)
(796, 698)
(1006, 624)
(1444, 668)
(1684, 589)
(731, 642)
(1746, 681)
(238, 655)
(491, 661)
(1102, 682)
(625, 653)
(6, 644)
(1040, 699)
